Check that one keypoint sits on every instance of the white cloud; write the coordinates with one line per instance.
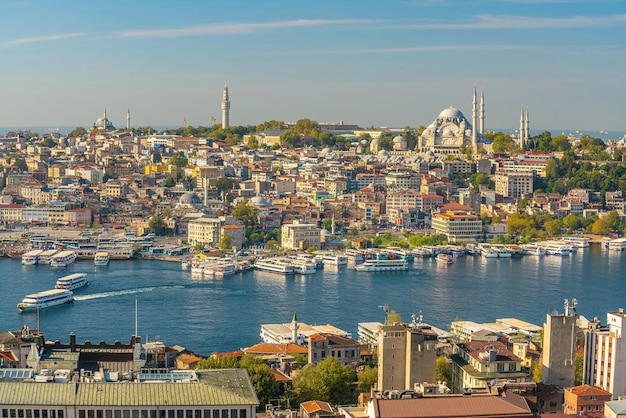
(45, 38)
(236, 28)
(430, 48)
(525, 22)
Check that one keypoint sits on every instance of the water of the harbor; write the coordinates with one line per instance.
(225, 314)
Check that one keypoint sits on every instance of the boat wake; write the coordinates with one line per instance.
(120, 292)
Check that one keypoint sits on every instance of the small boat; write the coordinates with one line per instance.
(101, 258)
(71, 282)
(275, 265)
(45, 299)
(444, 259)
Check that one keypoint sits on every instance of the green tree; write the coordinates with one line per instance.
(394, 318)
(252, 142)
(215, 362)
(578, 374)
(265, 385)
(553, 227)
(157, 225)
(48, 142)
(224, 184)
(169, 182)
(368, 376)
(226, 243)
(290, 139)
(327, 381)
(270, 125)
(443, 372)
(77, 131)
(245, 212)
(478, 179)
(21, 164)
(178, 160)
(307, 127)
(537, 371)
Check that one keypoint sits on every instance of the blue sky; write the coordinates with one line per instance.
(382, 63)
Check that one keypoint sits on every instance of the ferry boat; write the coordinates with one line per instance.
(30, 258)
(274, 265)
(45, 299)
(383, 265)
(354, 256)
(444, 259)
(618, 244)
(226, 267)
(580, 242)
(533, 249)
(63, 259)
(101, 258)
(71, 282)
(335, 259)
(303, 266)
(46, 256)
(488, 252)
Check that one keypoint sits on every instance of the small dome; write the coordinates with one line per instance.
(375, 141)
(260, 201)
(364, 142)
(399, 138)
(189, 198)
(383, 152)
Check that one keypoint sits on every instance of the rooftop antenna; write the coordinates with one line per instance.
(386, 311)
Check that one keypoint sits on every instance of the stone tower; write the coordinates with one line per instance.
(225, 108)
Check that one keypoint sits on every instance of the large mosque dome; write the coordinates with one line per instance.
(451, 112)
(103, 123)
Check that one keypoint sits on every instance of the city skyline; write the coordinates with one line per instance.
(393, 63)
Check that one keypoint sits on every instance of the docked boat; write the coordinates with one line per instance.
(46, 256)
(31, 258)
(383, 265)
(224, 268)
(101, 258)
(303, 266)
(354, 256)
(577, 241)
(274, 265)
(335, 259)
(45, 299)
(71, 282)
(488, 252)
(444, 259)
(532, 249)
(63, 259)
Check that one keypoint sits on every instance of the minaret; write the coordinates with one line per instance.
(474, 122)
(526, 126)
(294, 329)
(225, 107)
(128, 120)
(522, 135)
(482, 113)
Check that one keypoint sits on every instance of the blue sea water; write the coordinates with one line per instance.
(225, 314)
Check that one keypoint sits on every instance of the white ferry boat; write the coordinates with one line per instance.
(533, 249)
(618, 244)
(46, 256)
(354, 256)
(274, 265)
(580, 242)
(63, 259)
(101, 258)
(335, 259)
(225, 267)
(30, 258)
(488, 251)
(303, 266)
(71, 282)
(383, 265)
(45, 299)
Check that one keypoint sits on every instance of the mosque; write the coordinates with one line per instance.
(451, 130)
(103, 123)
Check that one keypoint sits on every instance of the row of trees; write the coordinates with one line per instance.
(328, 380)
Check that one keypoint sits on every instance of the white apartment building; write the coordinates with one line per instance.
(605, 354)
(300, 236)
(458, 226)
(514, 184)
(207, 231)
